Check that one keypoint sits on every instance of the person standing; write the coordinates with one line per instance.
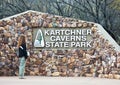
(22, 55)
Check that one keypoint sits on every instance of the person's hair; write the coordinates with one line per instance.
(21, 40)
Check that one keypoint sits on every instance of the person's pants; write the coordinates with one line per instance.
(22, 67)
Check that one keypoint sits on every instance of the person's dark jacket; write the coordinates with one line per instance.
(22, 51)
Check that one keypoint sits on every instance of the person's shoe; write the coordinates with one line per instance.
(22, 78)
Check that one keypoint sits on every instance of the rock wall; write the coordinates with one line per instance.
(102, 60)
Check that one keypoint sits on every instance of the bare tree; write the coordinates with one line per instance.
(100, 11)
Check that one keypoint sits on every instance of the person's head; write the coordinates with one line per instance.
(21, 40)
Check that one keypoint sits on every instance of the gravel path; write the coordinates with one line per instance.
(36, 80)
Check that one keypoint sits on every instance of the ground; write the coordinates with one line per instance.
(37, 80)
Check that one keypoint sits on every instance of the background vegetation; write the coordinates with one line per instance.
(104, 12)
